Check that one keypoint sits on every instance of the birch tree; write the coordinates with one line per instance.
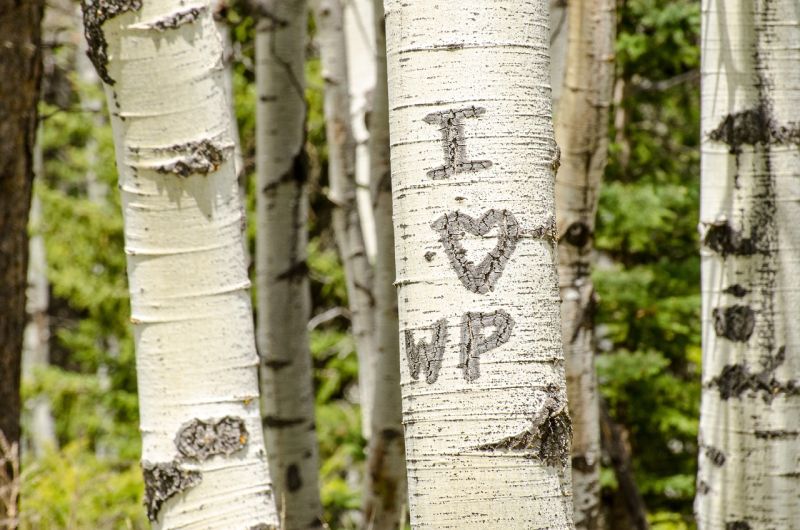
(749, 473)
(203, 454)
(385, 497)
(281, 269)
(359, 34)
(484, 394)
(581, 130)
(341, 174)
(20, 77)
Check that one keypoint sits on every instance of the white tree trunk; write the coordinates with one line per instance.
(359, 32)
(284, 300)
(36, 341)
(204, 460)
(749, 473)
(559, 30)
(341, 174)
(385, 499)
(484, 394)
(581, 131)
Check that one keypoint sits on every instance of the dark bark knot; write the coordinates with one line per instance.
(194, 158)
(178, 18)
(754, 127)
(736, 379)
(735, 323)
(95, 14)
(715, 455)
(163, 481)
(578, 234)
(548, 442)
(293, 479)
(723, 239)
(738, 525)
(200, 440)
(454, 226)
(454, 142)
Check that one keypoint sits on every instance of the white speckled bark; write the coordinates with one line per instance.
(484, 393)
(749, 471)
(284, 299)
(190, 305)
(582, 134)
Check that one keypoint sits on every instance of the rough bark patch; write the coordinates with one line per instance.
(264, 526)
(735, 322)
(754, 127)
(548, 442)
(577, 234)
(723, 239)
(201, 440)
(778, 434)
(178, 18)
(293, 479)
(454, 142)
(162, 481)
(195, 158)
(736, 290)
(95, 14)
(736, 379)
(429, 256)
(715, 455)
(738, 525)
(474, 342)
(427, 356)
(703, 487)
(453, 226)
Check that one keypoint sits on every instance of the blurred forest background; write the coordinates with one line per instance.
(647, 277)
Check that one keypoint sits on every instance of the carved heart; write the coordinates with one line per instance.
(453, 226)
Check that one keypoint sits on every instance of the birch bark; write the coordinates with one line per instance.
(385, 498)
(484, 394)
(359, 33)
(749, 473)
(581, 130)
(341, 174)
(281, 271)
(203, 455)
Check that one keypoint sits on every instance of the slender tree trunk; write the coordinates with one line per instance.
(341, 174)
(385, 497)
(484, 393)
(281, 270)
(581, 131)
(749, 473)
(204, 459)
(36, 345)
(359, 35)
(619, 453)
(559, 31)
(20, 77)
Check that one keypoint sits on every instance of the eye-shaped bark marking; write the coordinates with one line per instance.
(474, 342)
(201, 440)
(163, 481)
(453, 141)
(452, 227)
(425, 356)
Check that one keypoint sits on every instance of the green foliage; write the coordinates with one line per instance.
(648, 274)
